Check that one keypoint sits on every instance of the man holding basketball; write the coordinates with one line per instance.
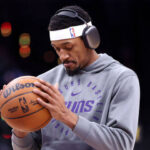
(93, 99)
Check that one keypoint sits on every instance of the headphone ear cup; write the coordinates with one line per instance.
(91, 37)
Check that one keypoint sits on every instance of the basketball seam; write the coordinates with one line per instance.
(13, 98)
(24, 115)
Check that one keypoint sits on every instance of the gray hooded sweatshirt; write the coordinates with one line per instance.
(105, 95)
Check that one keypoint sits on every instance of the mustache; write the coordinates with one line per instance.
(69, 61)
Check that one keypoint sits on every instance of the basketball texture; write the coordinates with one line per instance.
(19, 107)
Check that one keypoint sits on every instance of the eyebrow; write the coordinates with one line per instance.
(63, 44)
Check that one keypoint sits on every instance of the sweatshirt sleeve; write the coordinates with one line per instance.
(119, 131)
(30, 142)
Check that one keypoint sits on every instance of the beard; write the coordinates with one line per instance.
(73, 72)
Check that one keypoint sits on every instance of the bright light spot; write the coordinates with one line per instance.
(25, 51)
(6, 29)
(24, 39)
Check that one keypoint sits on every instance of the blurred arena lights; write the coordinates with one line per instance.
(25, 51)
(49, 56)
(12, 74)
(6, 29)
(24, 39)
(24, 42)
(139, 134)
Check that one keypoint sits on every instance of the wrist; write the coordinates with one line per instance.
(19, 134)
(70, 119)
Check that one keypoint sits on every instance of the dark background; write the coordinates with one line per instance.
(124, 28)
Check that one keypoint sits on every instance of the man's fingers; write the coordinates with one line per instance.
(43, 87)
(54, 88)
(56, 85)
(44, 95)
(4, 86)
(43, 103)
(48, 88)
(45, 83)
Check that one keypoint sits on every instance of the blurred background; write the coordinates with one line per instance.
(25, 47)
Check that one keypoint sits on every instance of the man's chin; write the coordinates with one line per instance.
(72, 71)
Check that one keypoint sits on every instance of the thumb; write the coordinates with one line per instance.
(4, 86)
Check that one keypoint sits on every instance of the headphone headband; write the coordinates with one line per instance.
(70, 13)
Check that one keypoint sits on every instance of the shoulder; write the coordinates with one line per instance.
(126, 81)
(122, 71)
(117, 70)
(50, 75)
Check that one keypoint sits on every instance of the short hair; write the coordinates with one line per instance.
(61, 22)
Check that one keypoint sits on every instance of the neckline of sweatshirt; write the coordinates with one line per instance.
(101, 63)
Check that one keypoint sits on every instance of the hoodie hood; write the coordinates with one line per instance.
(100, 64)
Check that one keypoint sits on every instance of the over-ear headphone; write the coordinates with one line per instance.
(90, 35)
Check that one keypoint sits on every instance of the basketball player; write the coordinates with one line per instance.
(95, 101)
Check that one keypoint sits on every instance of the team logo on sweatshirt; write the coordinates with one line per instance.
(79, 104)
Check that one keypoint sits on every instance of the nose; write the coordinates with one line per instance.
(63, 55)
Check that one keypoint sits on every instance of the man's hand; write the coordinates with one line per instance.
(19, 134)
(53, 100)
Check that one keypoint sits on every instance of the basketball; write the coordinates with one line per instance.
(19, 106)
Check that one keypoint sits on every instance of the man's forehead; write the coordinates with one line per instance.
(62, 42)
